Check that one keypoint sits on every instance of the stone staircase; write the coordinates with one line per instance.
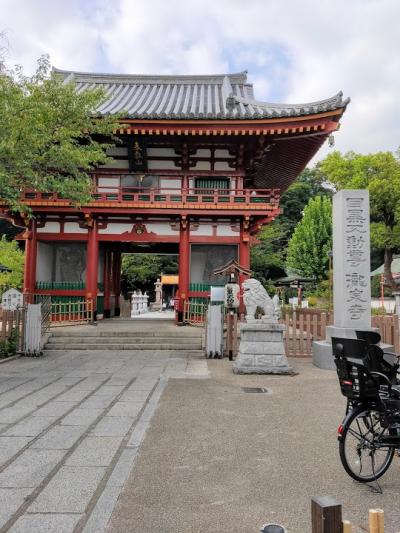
(184, 341)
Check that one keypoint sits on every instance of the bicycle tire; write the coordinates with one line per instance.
(360, 436)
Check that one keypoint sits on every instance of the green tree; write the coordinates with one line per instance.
(268, 256)
(50, 137)
(312, 239)
(13, 258)
(309, 184)
(380, 174)
(140, 271)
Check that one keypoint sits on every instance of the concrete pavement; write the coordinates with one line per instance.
(219, 460)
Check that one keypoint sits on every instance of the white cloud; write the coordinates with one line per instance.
(295, 51)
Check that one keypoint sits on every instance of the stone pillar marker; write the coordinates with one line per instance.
(351, 260)
(351, 272)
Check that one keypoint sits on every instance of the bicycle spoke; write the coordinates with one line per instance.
(356, 435)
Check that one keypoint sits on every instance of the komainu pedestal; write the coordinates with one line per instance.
(261, 349)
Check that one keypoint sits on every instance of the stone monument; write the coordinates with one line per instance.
(351, 272)
(12, 300)
(261, 349)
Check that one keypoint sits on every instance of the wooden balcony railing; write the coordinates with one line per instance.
(169, 197)
(188, 196)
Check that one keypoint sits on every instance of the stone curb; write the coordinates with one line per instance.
(7, 359)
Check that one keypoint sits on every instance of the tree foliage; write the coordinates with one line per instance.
(50, 137)
(380, 174)
(140, 271)
(268, 257)
(312, 239)
(309, 184)
(13, 258)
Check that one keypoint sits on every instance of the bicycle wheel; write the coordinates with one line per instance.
(362, 455)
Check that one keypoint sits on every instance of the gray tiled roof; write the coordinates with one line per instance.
(189, 97)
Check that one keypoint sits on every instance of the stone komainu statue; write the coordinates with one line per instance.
(254, 296)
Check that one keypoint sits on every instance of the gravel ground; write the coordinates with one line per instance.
(216, 459)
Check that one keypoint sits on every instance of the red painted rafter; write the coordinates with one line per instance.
(280, 126)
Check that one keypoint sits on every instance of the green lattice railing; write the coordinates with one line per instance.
(204, 287)
(65, 285)
(61, 285)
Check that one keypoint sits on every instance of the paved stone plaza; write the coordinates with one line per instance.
(70, 427)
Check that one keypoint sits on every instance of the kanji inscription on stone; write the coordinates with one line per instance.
(351, 259)
(11, 300)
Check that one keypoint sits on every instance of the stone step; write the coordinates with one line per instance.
(120, 346)
(180, 333)
(126, 340)
(133, 352)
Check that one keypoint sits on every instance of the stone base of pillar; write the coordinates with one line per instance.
(261, 349)
(322, 350)
(322, 355)
(397, 302)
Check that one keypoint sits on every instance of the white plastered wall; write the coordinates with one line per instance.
(51, 226)
(44, 262)
(170, 185)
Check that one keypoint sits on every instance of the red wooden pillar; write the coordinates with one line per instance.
(239, 183)
(107, 283)
(244, 254)
(92, 265)
(185, 183)
(184, 266)
(117, 258)
(30, 261)
(244, 248)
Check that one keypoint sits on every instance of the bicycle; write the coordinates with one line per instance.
(369, 435)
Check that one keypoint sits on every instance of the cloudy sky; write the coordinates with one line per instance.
(294, 50)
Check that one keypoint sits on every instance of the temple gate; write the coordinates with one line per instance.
(198, 170)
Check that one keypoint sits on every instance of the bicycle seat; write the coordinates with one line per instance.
(373, 338)
(376, 362)
(396, 390)
(349, 348)
(370, 337)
